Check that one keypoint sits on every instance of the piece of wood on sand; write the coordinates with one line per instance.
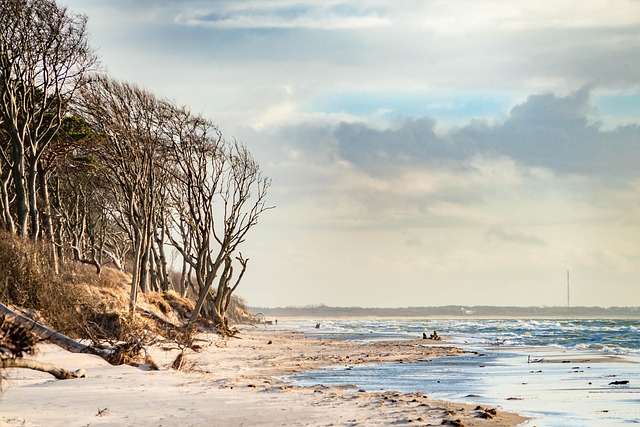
(45, 334)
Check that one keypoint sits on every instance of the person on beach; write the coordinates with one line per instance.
(434, 336)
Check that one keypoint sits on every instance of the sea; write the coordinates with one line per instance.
(509, 365)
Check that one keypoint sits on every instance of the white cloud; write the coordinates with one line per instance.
(467, 17)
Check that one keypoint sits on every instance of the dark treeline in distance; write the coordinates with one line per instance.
(323, 311)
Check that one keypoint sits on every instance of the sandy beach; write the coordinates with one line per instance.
(233, 382)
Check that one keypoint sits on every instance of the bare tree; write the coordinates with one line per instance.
(79, 206)
(131, 121)
(6, 219)
(218, 193)
(44, 53)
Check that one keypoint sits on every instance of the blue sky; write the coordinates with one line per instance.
(422, 152)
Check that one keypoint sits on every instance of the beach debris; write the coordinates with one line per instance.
(17, 338)
(178, 362)
(621, 382)
(454, 423)
(270, 342)
(530, 360)
(487, 413)
(149, 364)
(102, 412)
(58, 373)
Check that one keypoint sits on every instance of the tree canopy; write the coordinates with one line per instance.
(103, 171)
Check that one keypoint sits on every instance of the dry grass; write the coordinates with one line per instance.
(25, 270)
(180, 305)
(81, 304)
(77, 303)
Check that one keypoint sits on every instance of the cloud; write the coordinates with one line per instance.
(513, 237)
(324, 15)
(226, 57)
(547, 165)
(545, 131)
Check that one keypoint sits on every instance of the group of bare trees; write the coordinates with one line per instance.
(104, 171)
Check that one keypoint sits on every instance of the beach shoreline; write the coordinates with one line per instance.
(234, 382)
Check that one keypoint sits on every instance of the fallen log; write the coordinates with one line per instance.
(52, 336)
(59, 373)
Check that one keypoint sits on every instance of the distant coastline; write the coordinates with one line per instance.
(324, 311)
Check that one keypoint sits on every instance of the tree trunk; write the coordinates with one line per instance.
(204, 291)
(32, 179)
(153, 274)
(161, 261)
(7, 219)
(47, 220)
(59, 373)
(144, 264)
(22, 204)
(135, 273)
(60, 256)
(47, 334)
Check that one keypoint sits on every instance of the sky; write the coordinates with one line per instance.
(422, 152)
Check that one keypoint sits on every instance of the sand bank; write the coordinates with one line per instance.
(233, 382)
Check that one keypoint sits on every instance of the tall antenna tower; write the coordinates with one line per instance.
(568, 293)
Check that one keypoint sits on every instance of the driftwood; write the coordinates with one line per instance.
(52, 336)
(17, 338)
(115, 355)
(59, 373)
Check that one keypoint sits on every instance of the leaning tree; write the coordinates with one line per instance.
(217, 193)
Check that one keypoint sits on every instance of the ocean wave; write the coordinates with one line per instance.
(620, 336)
